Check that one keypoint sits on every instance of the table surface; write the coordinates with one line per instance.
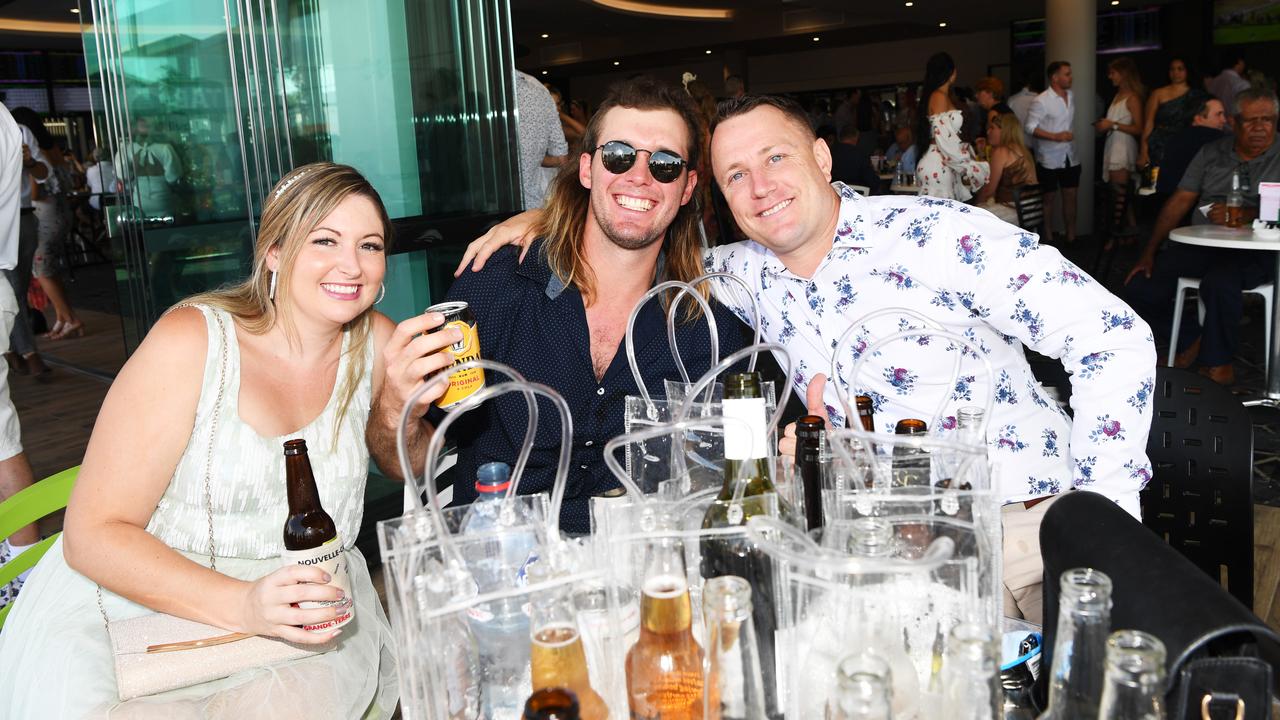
(1222, 237)
(904, 189)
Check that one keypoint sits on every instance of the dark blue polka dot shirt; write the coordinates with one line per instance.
(529, 320)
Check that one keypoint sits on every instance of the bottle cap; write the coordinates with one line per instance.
(493, 477)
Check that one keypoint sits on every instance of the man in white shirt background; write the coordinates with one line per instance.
(1049, 122)
(1230, 82)
(542, 143)
(101, 178)
(35, 169)
(16, 167)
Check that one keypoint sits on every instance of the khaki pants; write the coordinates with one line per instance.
(1023, 566)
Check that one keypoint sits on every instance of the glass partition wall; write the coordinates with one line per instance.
(204, 106)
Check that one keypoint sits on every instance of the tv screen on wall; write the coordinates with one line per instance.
(1246, 21)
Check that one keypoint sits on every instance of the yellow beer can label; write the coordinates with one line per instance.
(463, 384)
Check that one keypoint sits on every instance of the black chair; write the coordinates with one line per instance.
(1200, 498)
(1028, 200)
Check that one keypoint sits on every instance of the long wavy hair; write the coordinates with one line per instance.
(564, 216)
(297, 204)
(1130, 78)
(937, 72)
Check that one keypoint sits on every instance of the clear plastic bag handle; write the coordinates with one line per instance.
(833, 373)
(948, 389)
(765, 531)
(682, 426)
(751, 350)
(487, 393)
(631, 324)
(402, 447)
(671, 319)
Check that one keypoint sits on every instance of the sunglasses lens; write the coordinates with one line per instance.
(665, 166)
(617, 157)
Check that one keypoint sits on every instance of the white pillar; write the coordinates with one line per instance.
(1071, 34)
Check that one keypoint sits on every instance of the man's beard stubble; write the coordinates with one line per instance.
(623, 240)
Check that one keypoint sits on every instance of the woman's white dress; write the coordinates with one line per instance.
(55, 656)
(1121, 149)
(948, 168)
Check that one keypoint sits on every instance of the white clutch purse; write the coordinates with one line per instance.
(202, 653)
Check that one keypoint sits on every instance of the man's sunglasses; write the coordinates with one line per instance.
(618, 157)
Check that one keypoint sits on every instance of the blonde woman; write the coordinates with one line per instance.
(295, 351)
(1012, 166)
(1123, 128)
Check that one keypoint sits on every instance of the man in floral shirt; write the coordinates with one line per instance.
(822, 258)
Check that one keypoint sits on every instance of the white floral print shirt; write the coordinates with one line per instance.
(996, 286)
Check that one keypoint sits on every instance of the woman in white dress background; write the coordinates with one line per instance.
(294, 351)
(947, 167)
(1123, 127)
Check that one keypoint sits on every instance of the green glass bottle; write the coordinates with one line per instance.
(747, 477)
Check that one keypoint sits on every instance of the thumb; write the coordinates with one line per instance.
(813, 397)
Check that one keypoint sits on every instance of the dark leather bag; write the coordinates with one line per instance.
(1216, 647)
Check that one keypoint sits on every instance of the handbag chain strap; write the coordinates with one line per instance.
(208, 458)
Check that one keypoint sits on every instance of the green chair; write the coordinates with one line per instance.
(43, 498)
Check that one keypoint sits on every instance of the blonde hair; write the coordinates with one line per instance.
(1011, 133)
(1130, 78)
(297, 204)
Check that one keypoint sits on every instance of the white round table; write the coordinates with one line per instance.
(1242, 239)
(897, 189)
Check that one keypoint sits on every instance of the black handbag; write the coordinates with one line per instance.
(1221, 658)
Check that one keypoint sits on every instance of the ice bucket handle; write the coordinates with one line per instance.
(671, 320)
(520, 385)
(630, 347)
(949, 388)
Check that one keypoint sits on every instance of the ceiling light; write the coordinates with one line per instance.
(816, 38)
(545, 36)
(708, 52)
(616, 62)
(648, 8)
(942, 24)
(1115, 2)
(75, 10)
(908, 3)
(544, 72)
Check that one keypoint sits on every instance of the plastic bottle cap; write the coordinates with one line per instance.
(493, 477)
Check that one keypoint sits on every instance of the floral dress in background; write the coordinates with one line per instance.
(948, 168)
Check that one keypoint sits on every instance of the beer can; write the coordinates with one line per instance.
(466, 383)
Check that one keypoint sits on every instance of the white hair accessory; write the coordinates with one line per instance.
(687, 78)
(285, 185)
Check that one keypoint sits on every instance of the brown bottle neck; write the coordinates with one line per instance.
(300, 484)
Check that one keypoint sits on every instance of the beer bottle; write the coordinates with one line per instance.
(1084, 618)
(809, 431)
(551, 704)
(863, 682)
(735, 685)
(664, 667)
(910, 464)
(311, 538)
(1134, 687)
(970, 670)
(748, 491)
(866, 413)
(557, 659)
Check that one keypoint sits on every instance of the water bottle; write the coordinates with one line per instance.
(498, 544)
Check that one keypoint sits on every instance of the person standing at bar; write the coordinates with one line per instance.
(15, 471)
(1049, 122)
(36, 170)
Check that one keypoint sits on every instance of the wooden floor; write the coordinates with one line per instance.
(58, 411)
